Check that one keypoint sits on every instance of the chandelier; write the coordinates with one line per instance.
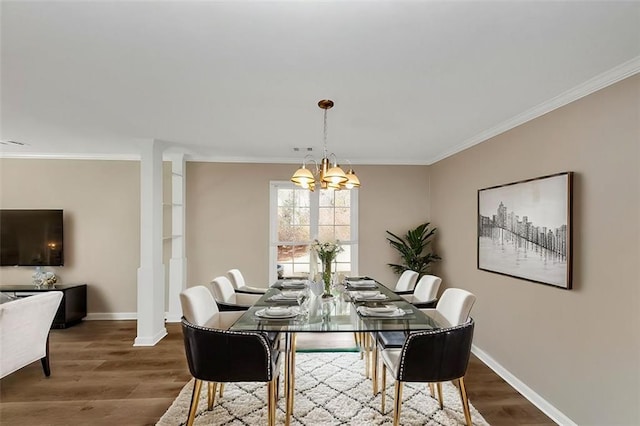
(329, 175)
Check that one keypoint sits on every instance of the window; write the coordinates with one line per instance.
(299, 216)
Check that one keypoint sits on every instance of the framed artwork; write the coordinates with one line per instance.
(524, 229)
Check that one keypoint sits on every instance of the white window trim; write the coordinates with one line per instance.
(314, 201)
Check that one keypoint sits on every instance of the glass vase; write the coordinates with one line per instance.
(326, 277)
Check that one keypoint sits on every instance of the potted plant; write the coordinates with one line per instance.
(413, 250)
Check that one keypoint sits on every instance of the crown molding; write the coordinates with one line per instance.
(622, 71)
(84, 156)
(362, 161)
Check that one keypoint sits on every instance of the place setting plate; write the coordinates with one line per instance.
(277, 312)
(293, 284)
(362, 296)
(383, 311)
(285, 296)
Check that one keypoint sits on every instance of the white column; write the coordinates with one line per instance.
(151, 272)
(178, 261)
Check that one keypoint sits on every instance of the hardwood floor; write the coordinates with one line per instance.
(99, 378)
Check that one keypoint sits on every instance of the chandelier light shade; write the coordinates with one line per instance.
(328, 175)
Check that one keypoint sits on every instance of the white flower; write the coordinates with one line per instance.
(327, 250)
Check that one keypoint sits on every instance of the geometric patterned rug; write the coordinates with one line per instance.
(330, 389)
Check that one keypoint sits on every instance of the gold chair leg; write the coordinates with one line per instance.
(397, 404)
(287, 375)
(374, 355)
(367, 358)
(465, 401)
(384, 385)
(221, 389)
(195, 396)
(271, 402)
(439, 386)
(211, 396)
(431, 389)
(292, 373)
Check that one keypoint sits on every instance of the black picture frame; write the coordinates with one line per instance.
(525, 229)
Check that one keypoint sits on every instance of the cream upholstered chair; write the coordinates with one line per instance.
(24, 331)
(238, 282)
(432, 356)
(426, 292)
(216, 355)
(199, 308)
(453, 307)
(407, 282)
(227, 298)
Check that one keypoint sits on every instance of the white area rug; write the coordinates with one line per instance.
(330, 389)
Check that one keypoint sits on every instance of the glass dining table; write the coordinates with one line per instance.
(359, 305)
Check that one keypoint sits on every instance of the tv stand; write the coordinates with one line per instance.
(73, 306)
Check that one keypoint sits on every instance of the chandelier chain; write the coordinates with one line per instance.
(325, 133)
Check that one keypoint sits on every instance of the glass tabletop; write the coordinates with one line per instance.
(349, 310)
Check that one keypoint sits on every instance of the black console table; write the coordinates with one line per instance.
(73, 306)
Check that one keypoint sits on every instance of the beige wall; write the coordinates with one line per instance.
(579, 349)
(227, 220)
(228, 216)
(101, 202)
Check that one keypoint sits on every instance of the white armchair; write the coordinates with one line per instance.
(24, 331)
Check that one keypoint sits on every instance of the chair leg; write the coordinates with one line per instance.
(397, 404)
(45, 360)
(384, 385)
(271, 401)
(367, 358)
(431, 389)
(465, 401)
(374, 355)
(211, 395)
(221, 389)
(195, 396)
(439, 386)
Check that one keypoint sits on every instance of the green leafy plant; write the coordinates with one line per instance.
(413, 250)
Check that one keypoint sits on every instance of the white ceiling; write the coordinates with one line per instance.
(413, 82)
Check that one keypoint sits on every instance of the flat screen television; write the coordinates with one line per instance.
(31, 238)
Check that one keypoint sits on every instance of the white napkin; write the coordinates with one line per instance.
(360, 281)
(362, 284)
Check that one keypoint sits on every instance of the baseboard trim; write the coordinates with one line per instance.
(544, 405)
(111, 316)
(150, 340)
(124, 316)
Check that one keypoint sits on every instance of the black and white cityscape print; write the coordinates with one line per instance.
(523, 230)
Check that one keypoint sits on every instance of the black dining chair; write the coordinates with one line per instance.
(432, 356)
(222, 356)
(453, 307)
